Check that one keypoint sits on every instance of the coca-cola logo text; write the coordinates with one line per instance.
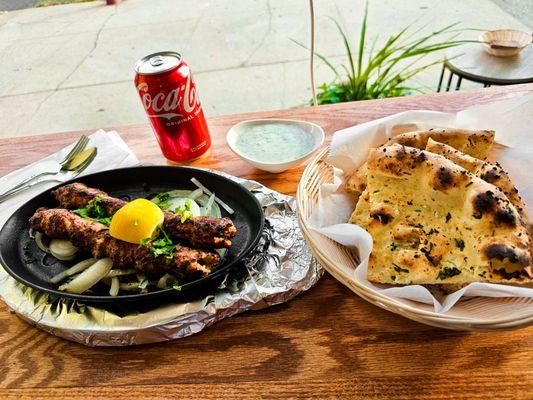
(179, 102)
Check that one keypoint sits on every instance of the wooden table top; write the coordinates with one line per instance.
(327, 343)
(471, 61)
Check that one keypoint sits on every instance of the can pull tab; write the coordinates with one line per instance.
(156, 61)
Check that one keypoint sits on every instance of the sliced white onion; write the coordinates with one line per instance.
(221, 252)
(207, 191)
(115, 286)
(89, 277)
(144, 283)
(39, 239)
(179, 193)
(215, 211)
(207, 208)
(62, 249)
(196, 193)
(120, 272)
(164, 280)
(75, 276)
(181, 202)
(76, 268)
(129, 286)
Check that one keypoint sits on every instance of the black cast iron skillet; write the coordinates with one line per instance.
(25, 262)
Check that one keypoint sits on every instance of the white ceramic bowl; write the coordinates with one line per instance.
(316, 131)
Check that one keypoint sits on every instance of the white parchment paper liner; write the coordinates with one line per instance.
(513, 121)
(278, 269)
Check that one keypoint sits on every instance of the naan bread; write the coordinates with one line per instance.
(433, 222)
(491, 173)
(474, 143)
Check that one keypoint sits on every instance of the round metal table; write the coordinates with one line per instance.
(473, 63)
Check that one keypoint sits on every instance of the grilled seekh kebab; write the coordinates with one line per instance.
(186, 263)
(204, 232)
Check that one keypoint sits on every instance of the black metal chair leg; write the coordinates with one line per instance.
(449, 82)
(441, 77)
(459, 80)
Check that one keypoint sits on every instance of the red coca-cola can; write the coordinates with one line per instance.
(169, 96)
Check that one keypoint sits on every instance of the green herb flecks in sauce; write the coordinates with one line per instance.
(274, 142)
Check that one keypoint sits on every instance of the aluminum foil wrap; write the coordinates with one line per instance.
(278, 269)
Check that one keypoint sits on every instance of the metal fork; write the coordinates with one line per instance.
(63, 175)
(78, 148)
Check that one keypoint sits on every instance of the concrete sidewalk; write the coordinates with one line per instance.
(71, 67)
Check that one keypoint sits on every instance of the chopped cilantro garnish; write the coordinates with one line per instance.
(448, 272)
(28, 258)
(94, 211)
(399, 269)
(144, 242)
(393, 246)
(427, 253)
(176, 286)
(185, 211)
(162, 246)
(163, 200)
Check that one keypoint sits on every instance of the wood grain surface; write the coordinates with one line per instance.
(325, 344)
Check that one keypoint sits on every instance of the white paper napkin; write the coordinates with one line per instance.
(512, 119)
(112, 153)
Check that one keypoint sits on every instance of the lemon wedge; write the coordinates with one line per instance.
(136, 221)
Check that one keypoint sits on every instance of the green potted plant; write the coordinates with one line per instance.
(384, 72)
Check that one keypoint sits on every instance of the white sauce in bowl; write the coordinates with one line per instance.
(275, 142)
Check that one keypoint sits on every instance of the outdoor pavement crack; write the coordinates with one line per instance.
(262, 42)
(79, 64)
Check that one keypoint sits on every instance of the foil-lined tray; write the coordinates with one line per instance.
(278, 269)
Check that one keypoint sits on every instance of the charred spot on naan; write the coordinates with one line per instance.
(383, 214)
(502, 252)
(496, 206)
(491, 175)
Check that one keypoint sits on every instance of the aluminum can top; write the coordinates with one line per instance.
(157, 63)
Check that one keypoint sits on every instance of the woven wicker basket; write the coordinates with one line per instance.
(470, 314)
